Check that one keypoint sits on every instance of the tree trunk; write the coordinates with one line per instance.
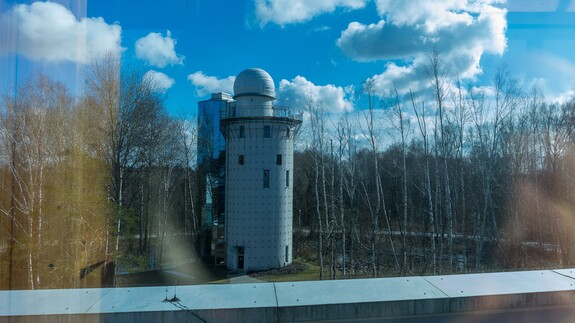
(319, 219)
(341, 211)
(333, 230)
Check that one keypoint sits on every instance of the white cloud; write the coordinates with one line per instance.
(402, 78)
(564, 97)
(486, 91)
(163, 81)
(48, 31)
(210, 84)
(432, 15)
(158, 50)
(460, 31)
(283, 12)
(298, 92)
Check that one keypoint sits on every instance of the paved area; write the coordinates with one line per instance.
(244, 279)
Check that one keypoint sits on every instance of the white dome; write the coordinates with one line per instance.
(254, 81)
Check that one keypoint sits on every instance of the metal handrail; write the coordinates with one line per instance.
(287, 112)
(277, 111)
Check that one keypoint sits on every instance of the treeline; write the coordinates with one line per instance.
(92, 186)
(469, 180)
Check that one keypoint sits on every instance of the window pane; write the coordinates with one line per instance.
(267, 132)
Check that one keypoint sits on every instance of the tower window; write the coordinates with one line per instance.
(287, 178)
(287, 253)
(267, 132)
(241, 159)
(287, 132)
(242, 132)
(266, 178)
(279, 159)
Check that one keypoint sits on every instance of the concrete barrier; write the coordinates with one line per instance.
(548, 295)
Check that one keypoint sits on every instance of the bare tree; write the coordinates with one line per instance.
(32, 144)
(344, 139)
(401, 125)
(489, 121)
(131, 106)
(333, 222)
(347, 133)
(317, 122)
(372, 132)
(419, 111)
(188, 138)
(50, 188)
(437, 74)
(461, 116)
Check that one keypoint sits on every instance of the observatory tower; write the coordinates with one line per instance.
(259, 175)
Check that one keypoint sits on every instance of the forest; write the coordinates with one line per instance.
(93, 186)
(447, 178)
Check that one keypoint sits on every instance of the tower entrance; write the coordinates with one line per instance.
(240, 258)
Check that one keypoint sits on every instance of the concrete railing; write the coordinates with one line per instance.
(547, 295)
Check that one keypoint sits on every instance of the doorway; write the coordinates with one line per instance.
(240, 258)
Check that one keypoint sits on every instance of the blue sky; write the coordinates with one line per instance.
(328, 48)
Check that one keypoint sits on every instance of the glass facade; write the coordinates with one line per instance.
(211, 170)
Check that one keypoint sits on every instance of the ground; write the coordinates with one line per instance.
(205, 273)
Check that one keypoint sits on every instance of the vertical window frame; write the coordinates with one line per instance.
(266, 178)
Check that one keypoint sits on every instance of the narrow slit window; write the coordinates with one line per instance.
(279, 159)
(241, 159)
(242, 132)
(287, 253)
(267, 132)
(287, 178)
(287, 132)
(266, 178)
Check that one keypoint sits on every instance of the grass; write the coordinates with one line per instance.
(310, 272)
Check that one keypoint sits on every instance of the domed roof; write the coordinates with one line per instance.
(254, 81)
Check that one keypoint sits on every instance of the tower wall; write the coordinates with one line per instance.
(259, 210)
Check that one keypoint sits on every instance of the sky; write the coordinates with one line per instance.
(326, 49)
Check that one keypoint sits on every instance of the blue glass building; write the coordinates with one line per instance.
(211, 172)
